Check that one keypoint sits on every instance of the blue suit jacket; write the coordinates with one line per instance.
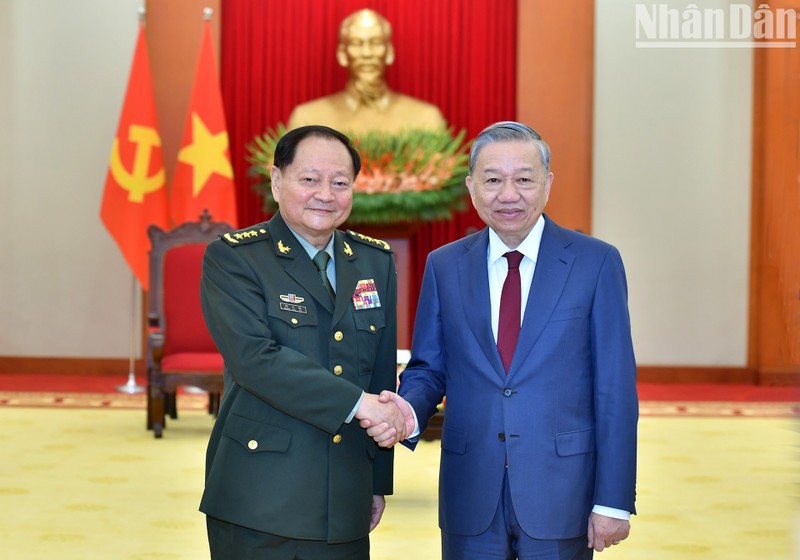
(564, 417)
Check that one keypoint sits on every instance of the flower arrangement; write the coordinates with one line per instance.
(411, 176)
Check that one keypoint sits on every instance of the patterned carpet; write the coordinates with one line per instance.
(718, 476)
(688, 408)
(93, 483)
(50, 399)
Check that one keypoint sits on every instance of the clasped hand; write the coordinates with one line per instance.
(386, 417)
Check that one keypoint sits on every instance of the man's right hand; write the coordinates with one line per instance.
(405, 409)
(385, 422)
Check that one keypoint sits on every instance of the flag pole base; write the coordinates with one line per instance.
(131, 387)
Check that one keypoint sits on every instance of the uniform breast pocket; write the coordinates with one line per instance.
(369, 328)
(292, 323)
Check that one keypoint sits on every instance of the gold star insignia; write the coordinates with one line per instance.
(207, 154)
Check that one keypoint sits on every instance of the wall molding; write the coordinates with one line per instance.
(696, 374)
(723, 375)
(69, 366)
(789, 376)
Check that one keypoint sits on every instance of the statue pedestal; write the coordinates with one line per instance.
(398, 237)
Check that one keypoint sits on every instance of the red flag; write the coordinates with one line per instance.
(204, 175)
(135, 194)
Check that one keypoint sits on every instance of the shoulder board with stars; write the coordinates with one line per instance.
(367, 240)
(245, 236)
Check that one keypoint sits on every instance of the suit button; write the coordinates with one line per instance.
(337, 336)
(337, 438)
(337, 370)
(501, 436)
(507, 392)
(252, 444)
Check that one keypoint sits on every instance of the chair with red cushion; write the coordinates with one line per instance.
(180, 350)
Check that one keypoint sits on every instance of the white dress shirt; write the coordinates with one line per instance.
(498, 268)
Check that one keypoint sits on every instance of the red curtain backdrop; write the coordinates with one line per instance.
(458, 54)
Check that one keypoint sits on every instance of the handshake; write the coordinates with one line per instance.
(387, 418)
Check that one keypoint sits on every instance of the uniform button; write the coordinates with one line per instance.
(252, 444)
(294, 321)
(501, 436)
(337, 438)
(337, 370)
(372, 328)
(507, 392)
(337, 336)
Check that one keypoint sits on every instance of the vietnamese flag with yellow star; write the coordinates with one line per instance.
(135, 193)
(204, 175)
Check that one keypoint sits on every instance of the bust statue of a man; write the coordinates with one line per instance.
(366, 104)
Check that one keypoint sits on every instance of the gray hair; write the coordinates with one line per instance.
(508, 131)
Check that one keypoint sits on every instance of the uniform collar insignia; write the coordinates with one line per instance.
(347, 250)
(283, 248)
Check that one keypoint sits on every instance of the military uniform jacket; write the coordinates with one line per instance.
(281, 458)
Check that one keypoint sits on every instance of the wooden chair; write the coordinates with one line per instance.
(180, 350)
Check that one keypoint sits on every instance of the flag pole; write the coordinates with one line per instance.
(131, 387)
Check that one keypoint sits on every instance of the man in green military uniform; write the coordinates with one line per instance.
(304, 315)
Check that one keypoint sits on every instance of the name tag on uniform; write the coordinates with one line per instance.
(366, 295)
(289, 302)
(294, 307)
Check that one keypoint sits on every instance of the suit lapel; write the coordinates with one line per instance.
(553, 266)
(475, 295)
(296, 262)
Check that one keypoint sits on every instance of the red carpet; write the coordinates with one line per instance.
(647, 391)
(81, 391)
(656, 399)
(63, 383)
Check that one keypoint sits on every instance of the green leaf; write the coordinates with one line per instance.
(415, 175)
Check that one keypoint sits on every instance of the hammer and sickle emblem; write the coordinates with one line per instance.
(137, 182)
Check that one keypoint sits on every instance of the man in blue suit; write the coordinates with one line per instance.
(524, 327)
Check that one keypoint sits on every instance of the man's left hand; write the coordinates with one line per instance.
(378, 505)
(606, 531)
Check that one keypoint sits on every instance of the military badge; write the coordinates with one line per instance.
(290, 302)
(245, 236)
(347, 250)
(366, 295)
(283, 248)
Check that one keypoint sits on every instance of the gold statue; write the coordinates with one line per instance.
(366, 104)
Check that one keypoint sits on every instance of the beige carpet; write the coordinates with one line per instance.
(93, 483)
